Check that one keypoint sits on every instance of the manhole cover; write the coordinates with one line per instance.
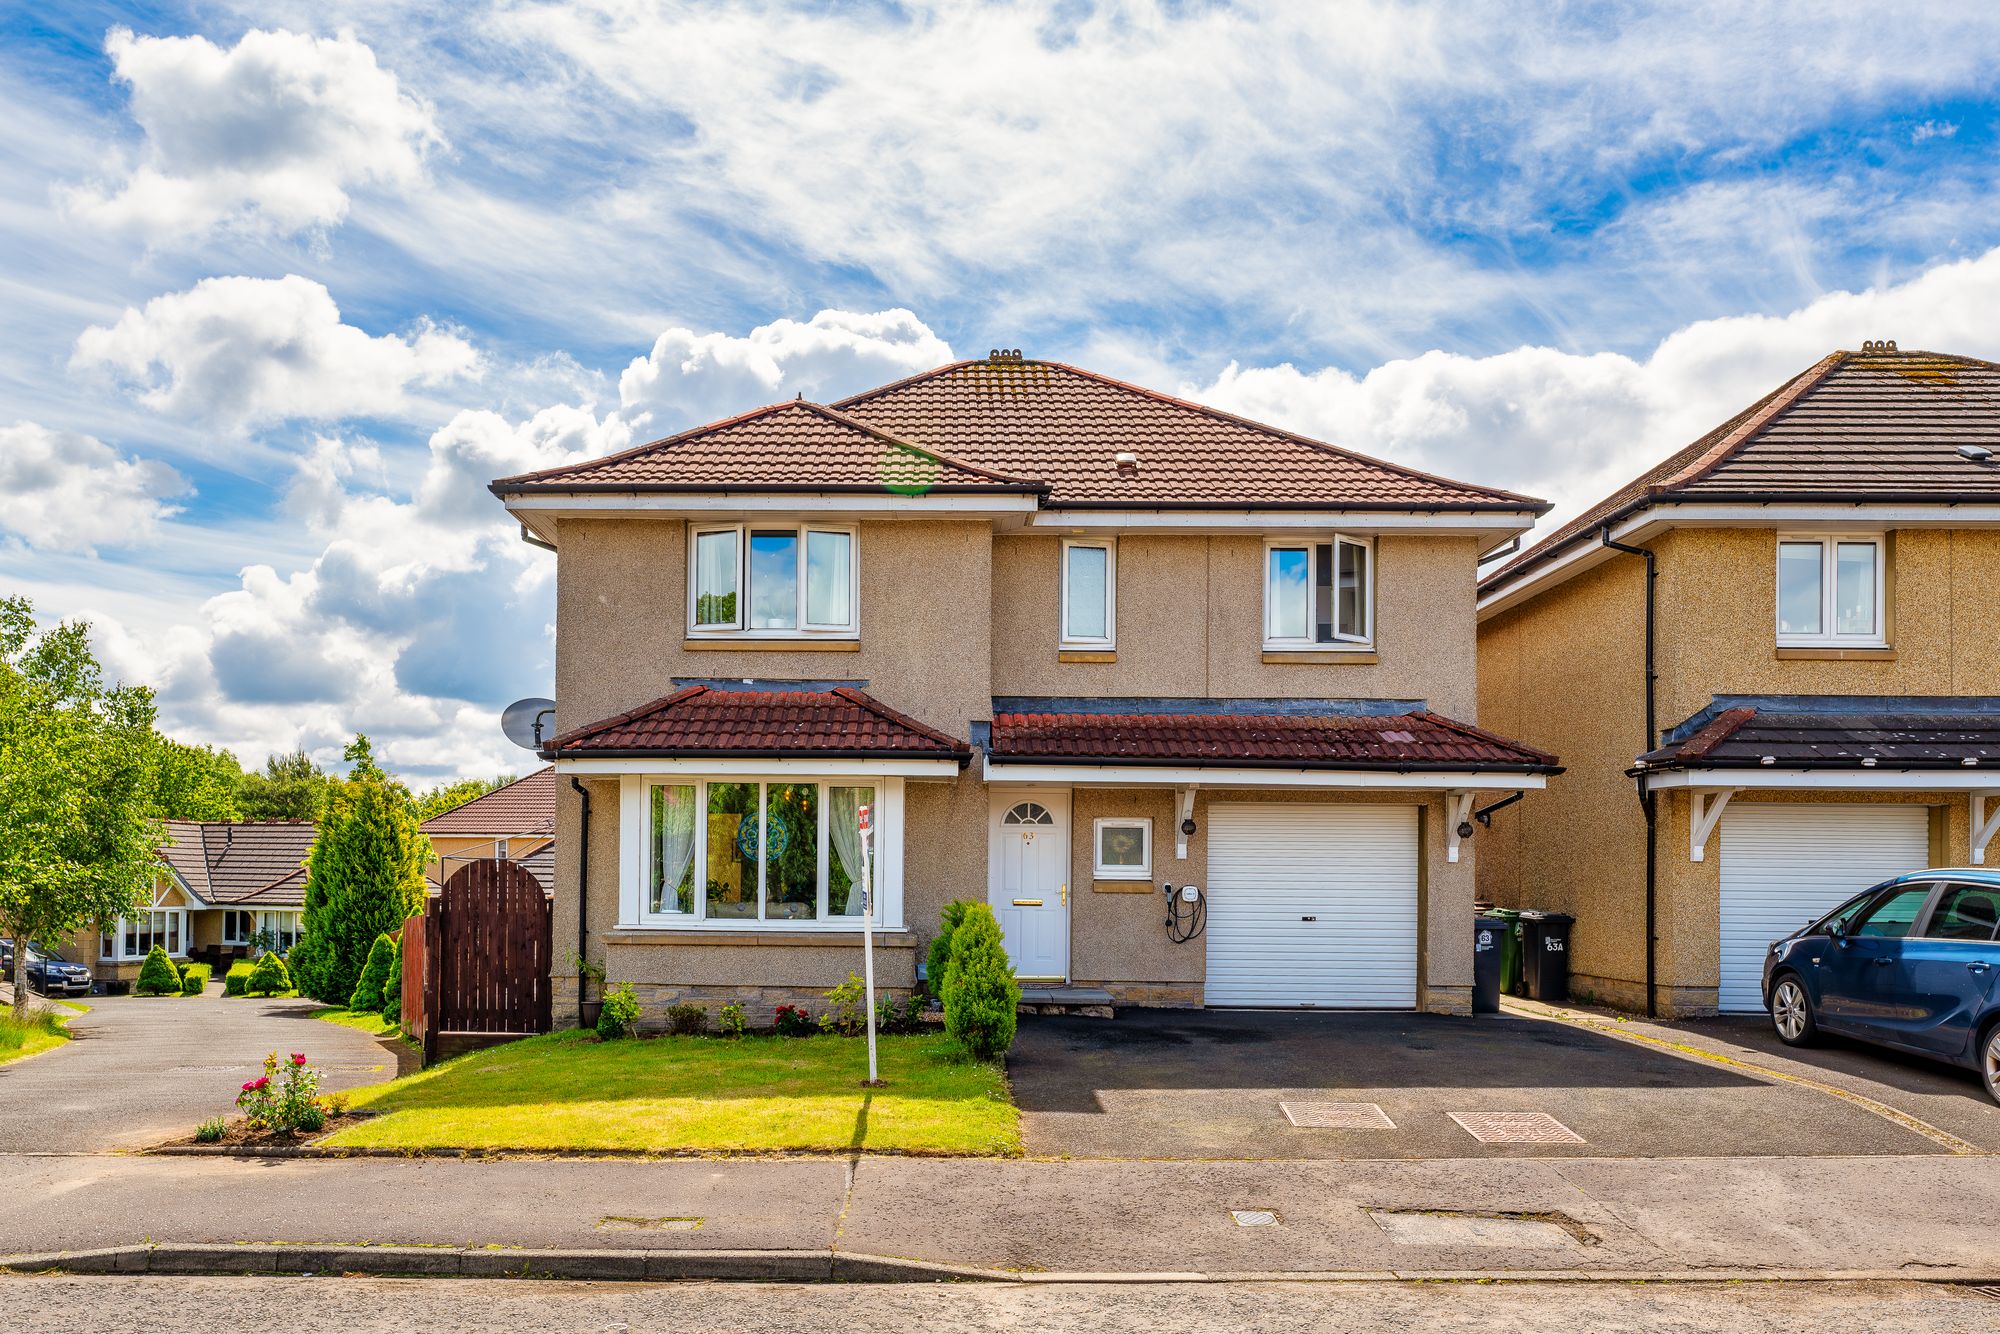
(1444, 1228)
(1336, 1115)
(1515, 1128)
(212, 1069)
(1254, 1217)
(618, 1224)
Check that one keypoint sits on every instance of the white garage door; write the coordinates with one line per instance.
(1783, 864)
(1312, 905)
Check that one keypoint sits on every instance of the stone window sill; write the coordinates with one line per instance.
(1879, 654)
(1087, 655)
(1122, 887)
(1348, 658)
(752, 645)
(646, 935)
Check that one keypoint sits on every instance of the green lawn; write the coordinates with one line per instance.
(569, 1091)
(43, 1031)
(366, 1020)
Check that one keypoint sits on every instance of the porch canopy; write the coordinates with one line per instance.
(1857, 743)
(1354, 745)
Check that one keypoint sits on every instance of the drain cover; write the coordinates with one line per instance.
(1515, 1128)
(1425, 1228)
(1254, 1217)
(618, 1224)
(1336, 1115)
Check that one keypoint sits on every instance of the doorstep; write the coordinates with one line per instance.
(1090, 1002)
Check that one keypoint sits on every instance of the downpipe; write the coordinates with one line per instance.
(582, 893)
(1647, 799)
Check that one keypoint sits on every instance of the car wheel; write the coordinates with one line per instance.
(1989, 1064)
(1791, 1013)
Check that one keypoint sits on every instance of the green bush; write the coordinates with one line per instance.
(237, 977)
(849, 1014)
(938, 961)
(980, 994)
(620, 1012)
(733, 1021)
(158, 976)
(210, 1131)
(897, 1017)
(366, 998)
(792, 1021)
(687, 1019)
(392, 990)
(194, 978)
(269, 977)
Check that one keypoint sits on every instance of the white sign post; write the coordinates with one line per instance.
(868, 935)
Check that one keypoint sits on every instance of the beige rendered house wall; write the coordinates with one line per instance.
(445, 847)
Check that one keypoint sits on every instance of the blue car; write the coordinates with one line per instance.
(1912, 964)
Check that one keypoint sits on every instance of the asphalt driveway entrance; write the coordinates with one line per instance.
(147, 1068)
(1218, 1084)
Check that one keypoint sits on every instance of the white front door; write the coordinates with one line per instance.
(1027, 881)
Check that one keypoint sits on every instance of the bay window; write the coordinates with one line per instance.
(134, 937)
(757, 853)
(1319, 594)
(1089, 595)
(772, 580)
(1830, 590)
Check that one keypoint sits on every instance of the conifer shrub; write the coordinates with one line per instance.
(158, 976)
(366, 998)
(268, 977)
(980, 994)
(392, 990)
(938, 961)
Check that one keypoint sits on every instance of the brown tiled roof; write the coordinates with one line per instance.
(1065, 426)
(524, 806)
(699, 720)
(796, 446)
(248, 861)
(1279, 741)
(1857, 426)
(1851, 734)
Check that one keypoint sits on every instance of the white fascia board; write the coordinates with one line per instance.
(1828, 780)
(1144, 775)
(1445, 524)
(778, 770)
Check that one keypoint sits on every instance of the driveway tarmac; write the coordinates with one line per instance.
(1216, 1084)
(143, 1069)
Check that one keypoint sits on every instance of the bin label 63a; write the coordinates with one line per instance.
(1552, 944)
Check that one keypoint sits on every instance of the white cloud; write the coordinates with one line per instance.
(242, 352)
(267, 135)
(1573, 427)
(72, 492)
(690, 378)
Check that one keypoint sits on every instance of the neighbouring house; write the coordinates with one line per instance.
(1769, 665)
(510, 823)
(226, 887)
(1083, 649)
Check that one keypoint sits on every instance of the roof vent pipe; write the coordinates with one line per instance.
(1977, 453)
(1126, 460)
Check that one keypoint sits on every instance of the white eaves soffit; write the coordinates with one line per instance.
(1588, 551)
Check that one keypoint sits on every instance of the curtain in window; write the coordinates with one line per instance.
(673, 849)
(843, 831)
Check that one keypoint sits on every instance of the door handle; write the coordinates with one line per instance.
(1883, 963)
(1979, 967)
(1063, 893)
(1027, 903)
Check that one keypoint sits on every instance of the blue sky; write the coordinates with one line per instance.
(285, 284)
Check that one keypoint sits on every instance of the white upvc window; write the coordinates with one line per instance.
(237, 925)
(499, 849)
(134, 937)
(1831, 589)
(1319, 594)
(773, 580)
(1089, 594)
(278, 929)
(759, 853)
(1122, 848)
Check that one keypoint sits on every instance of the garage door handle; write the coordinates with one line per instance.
(1308, 919)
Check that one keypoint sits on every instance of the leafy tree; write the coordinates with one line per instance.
(194, 782)
(980, 994)
(367, 996)
(291, 787)
(450, 796)
(364, 877)
(78, 844)
(360, 756)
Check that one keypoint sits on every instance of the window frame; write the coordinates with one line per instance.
(237, 926)
(1829, 636)
(1342, 642)
(1067, 638)
(885, 802)
(1099, 870)
(803, 627)
(1935, 909)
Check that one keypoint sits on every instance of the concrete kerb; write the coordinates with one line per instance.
(813, 1266)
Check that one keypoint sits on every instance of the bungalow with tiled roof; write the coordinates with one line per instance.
(1189, 700)
(1769, 663)
(513, 822)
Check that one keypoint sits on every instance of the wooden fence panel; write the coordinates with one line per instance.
(413, 1014)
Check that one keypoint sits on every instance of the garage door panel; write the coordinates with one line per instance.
(1353, 869)
(1786, 863)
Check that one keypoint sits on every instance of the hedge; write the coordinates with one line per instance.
(194, 978)
(237, 977)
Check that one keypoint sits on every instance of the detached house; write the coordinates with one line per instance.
(1769, 664)
(1188, 700)
(516, 822)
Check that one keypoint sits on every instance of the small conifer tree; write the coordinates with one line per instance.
(158, 976)
(367, 994)
(980, 994)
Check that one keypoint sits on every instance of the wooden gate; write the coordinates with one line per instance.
(482, 973)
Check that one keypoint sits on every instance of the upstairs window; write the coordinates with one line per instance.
(772, 581)
(1319, 594)
(1089, 595)
(1830, 591)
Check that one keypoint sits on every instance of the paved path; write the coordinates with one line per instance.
(1883, 1215)
(147, 1068)
(310, 1304)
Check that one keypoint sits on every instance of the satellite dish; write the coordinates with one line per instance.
(529, 722)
